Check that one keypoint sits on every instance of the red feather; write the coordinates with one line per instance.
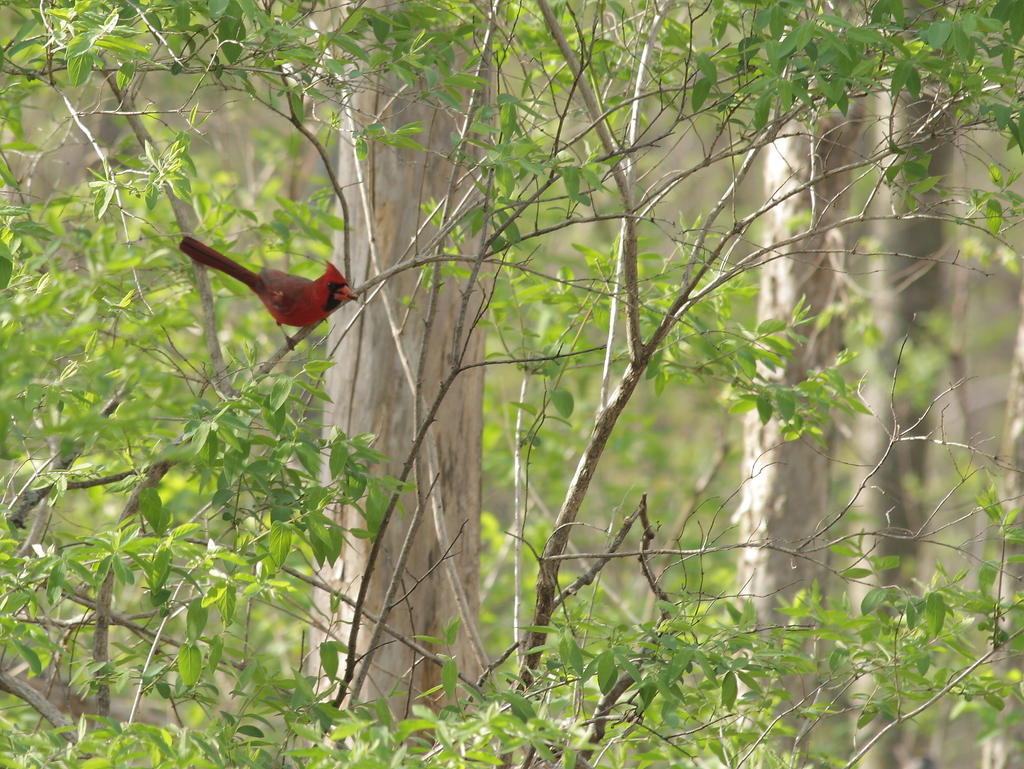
(291, 299)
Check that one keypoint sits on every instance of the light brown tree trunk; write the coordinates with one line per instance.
(906, 283)
(785, 489)
(1001, 747)
(387, 375)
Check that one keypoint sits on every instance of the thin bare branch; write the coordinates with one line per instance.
(39, 703)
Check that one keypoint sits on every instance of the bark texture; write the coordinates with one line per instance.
(785, 499)
(389, 371)
(907, 282)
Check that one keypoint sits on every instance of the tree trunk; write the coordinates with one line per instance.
(907, 283)
(388, 374)
(785, 497)
(1002, 744)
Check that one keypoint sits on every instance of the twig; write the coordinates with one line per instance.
(604, 707)
(107, 173)
(186, 219)
(153, 647)
(470, 619)
(628, 247)
(397, 635)
(339, 193)
(576, 585)
(388, 602)
(101, 481)
(547, 577)
(946, 689)
(591, 574)
(519, 506)
(371, 560)
(32, 498)
(644, 565)
(45, 708)
(104, 595)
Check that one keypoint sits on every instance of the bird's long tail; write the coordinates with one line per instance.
(203, 254)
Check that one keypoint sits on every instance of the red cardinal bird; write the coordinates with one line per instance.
(291, 299)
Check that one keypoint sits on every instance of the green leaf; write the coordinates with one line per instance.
(376, 505)
(866, 716)
(152, 509)
(963, 44)
(125, 74)
(873, 599)
(729, 689)
(937, 33)
(95, 762)
(79, 68)
(308, 455)
(217, 8)
(987, 573)
(6, 270)
(607, 672)
(190, 663)
(563, 402)
(7, 176)
(856, 573)
(449, 678)
(571, 654)
(913, 613)
(338, 458)
(935, 612)
(761, 110)
(699, 93)
(450, 631)
(571, 177)
(330, 652)
(157, 571)
(521, 707)
(56, 581)
(279, 392)
(195, 619)
(745, 402)
(200, 436)
(886, 562)
(29, 655)
(837, 659)
(994, 701)
(347, 729)
(105, 193)
(786, 403)
(280, 543)
(770, 326)
(925, 184)
(224, 597)
(994, 215)
(230, 33)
